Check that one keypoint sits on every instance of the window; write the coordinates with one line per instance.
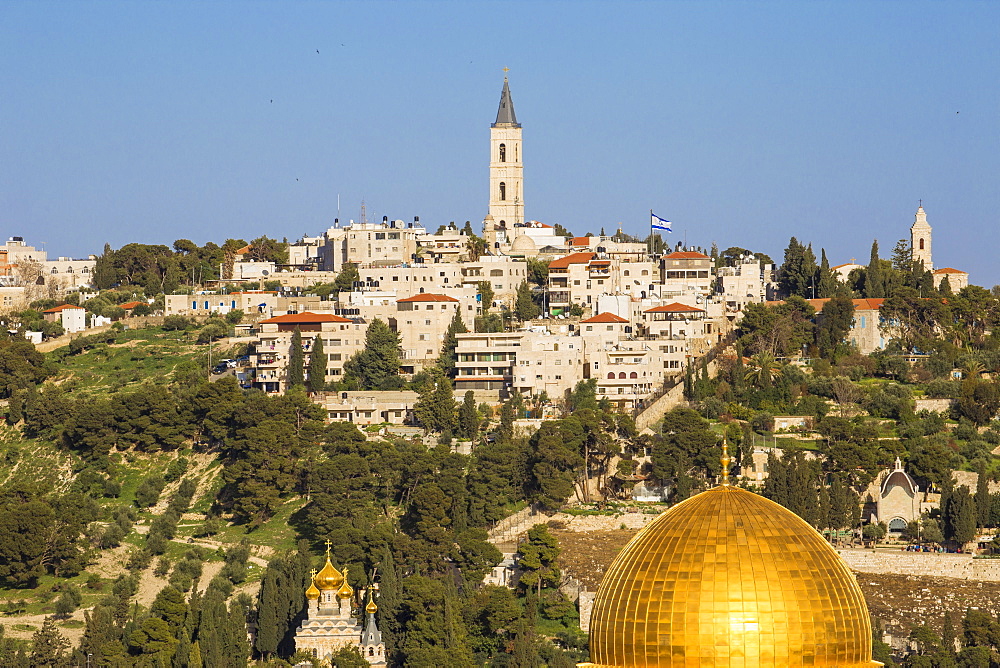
(503, 153)
(633, 375)
(590, 328)
(496, 272)
(503, 191)
(334, 357)
(921, 244)
(621, 376)
(611, 376)
(423, 337)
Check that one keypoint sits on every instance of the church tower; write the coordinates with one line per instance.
(920, 240)
(506, 168)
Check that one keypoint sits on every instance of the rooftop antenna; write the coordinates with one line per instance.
(364, 216)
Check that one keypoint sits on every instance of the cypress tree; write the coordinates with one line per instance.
(826, 283)
(983, 500)
(268, 634)
(525, 307)
(874, 276)
(237, 647)
(317, 366)
(195, 657)
(468, 416)
(296, 359)
(15, 408)
(948, 634)
(448, 357)
(944, 288)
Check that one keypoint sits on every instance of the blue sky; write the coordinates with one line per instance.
(744, 123)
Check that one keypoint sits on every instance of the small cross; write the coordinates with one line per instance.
(921, 202)
(506, 70)
(328, 544)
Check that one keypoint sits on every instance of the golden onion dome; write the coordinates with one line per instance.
(312, 593)
(345, 590)
(328, 577)
(729, 578)
(371, 608)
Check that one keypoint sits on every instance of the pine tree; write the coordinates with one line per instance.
(377, 366)
(296, 359)
(48, 646)
(944, 288)
(874, 276)
(317, 366)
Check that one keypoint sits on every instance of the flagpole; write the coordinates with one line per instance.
(649, 239)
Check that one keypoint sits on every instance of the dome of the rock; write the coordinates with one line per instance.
(729, 578)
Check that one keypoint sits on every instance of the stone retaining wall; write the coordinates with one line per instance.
(959, 566)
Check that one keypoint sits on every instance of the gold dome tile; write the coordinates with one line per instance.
(729, 579)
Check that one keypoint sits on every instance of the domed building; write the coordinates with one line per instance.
(524, 246)
(329, 623)
(730, 579)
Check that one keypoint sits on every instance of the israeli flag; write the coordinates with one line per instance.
(658, 223)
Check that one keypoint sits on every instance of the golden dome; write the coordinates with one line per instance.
(729, 578)
(328, 577)
(345, 590)
(312, 593)
(371, 608)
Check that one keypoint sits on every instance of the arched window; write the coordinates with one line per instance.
(69, 270)
(921, 244)
(633, 375)
(503, 191)
(611, 376)
(622, 375)
(54, 270)
(503, 153)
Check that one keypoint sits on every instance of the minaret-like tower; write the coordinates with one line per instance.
(920, 239)
(506, 167)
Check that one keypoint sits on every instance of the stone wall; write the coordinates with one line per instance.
(938, 405)
(959, 566)
(586, 523)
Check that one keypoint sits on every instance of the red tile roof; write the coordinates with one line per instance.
(580, 241)
(674, 308)
(870, 304)
(606, 317)
(688, 255)
(131, 305)
(949, 270)
(303, 318)
(426, 297)
(64, 307)
(573, 258)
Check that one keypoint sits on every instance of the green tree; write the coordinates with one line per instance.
(836, 320)
(347, 277)
(525, 307)
(377, 366)
(468, 417)
(435, 408)
(826, 283)
(317, 366)
(49, 647)
(874, 276)
(486, 295)
(296, 361)
(448, 358)
(798, 270)
(538, 559)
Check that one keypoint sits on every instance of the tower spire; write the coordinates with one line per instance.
(505, 114)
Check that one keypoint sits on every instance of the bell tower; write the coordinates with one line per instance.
(506, 167)
(920, 239)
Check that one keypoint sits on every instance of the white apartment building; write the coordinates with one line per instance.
(270, 353)
(203, 304)
(686, 272)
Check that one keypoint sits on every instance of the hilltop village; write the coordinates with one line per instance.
(404, 444)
